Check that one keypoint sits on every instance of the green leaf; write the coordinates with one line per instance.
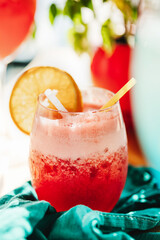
(78, 38)
(73, 7)
(78, 35)
(134, 14)
(53, 12)
(107, 35)
(87, 3)
(34, 31)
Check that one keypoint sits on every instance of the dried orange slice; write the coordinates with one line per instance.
(34, 81)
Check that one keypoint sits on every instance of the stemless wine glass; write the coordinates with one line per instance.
(81, 157)
(16, 18)
(145, 97)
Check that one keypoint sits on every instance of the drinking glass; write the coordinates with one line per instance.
(79, 157)
(145, 97)
(16, 18)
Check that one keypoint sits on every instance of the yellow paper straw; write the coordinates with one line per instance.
(119, 94)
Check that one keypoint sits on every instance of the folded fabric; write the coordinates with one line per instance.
(136, 215)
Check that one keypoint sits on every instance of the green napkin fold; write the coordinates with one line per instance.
(136, 215)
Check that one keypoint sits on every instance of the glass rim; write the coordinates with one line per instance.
(77, 113)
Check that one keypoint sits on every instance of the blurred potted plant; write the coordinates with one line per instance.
(110, 63)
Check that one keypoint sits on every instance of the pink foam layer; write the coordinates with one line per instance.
(77, 136)
(74, 135)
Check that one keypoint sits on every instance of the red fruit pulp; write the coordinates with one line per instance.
(96, 182)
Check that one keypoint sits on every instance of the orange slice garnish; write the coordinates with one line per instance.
(35, 81)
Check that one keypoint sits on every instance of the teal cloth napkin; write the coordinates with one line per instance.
(22, 216)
